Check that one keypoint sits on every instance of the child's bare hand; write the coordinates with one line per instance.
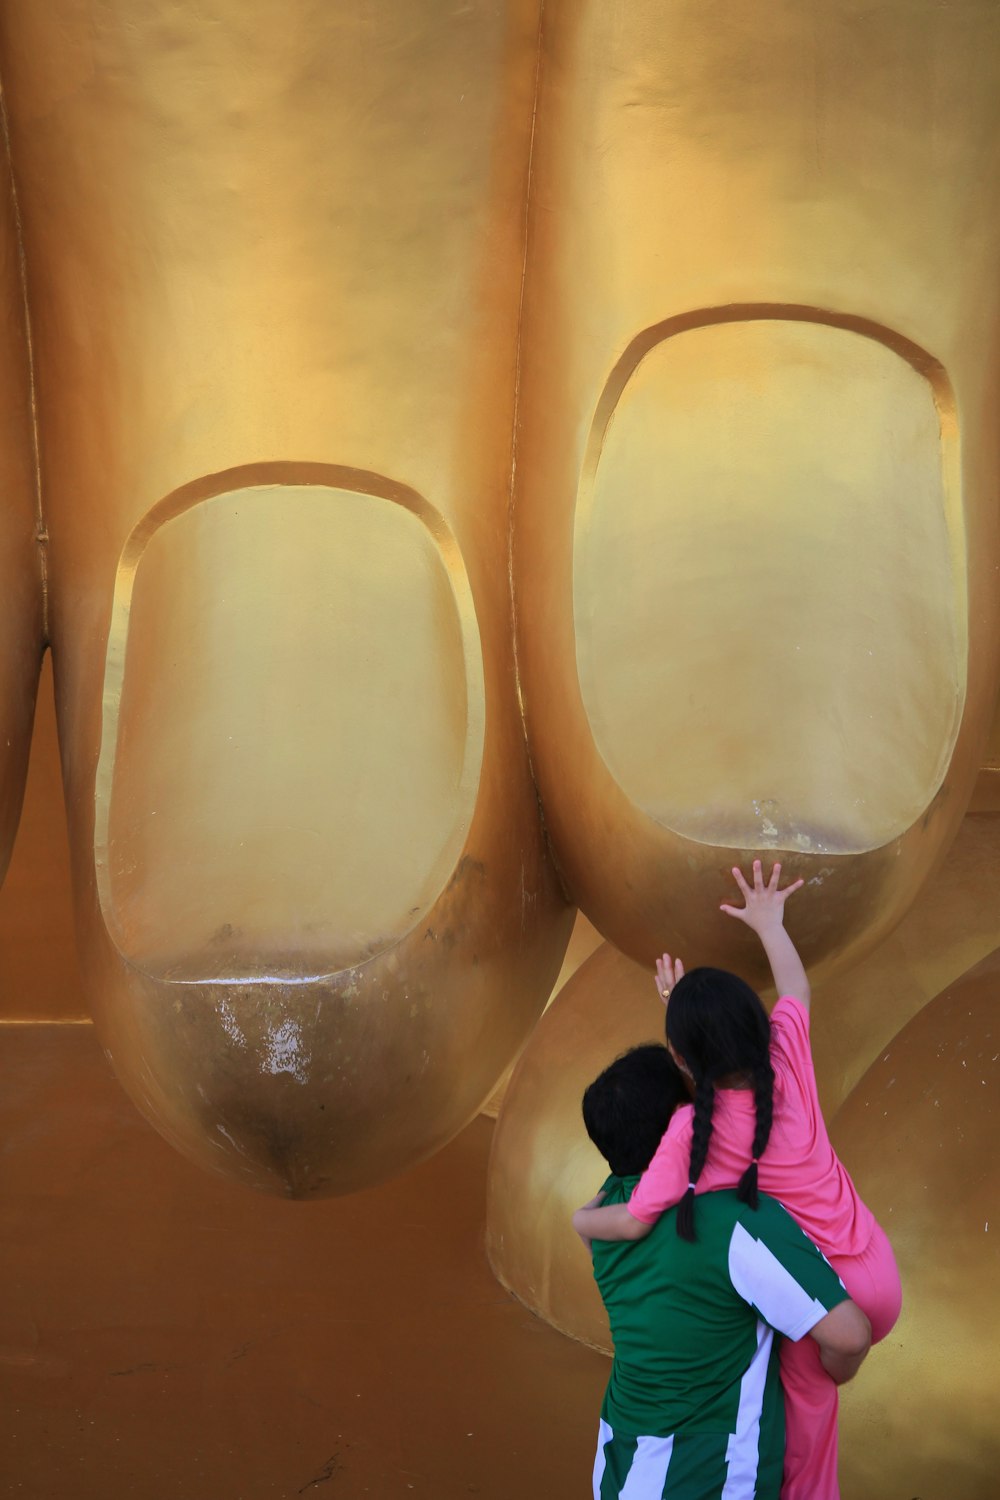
(668, 971)
(594, 1202)
(765, 904)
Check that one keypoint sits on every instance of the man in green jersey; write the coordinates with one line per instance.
(693, 1408)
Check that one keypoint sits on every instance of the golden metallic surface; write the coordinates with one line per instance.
(22, 625)
(39, 971)
(194, 776)
(287, 296)
(920, 1131)
(986, 792)
(583, 941)
(953, 925)
(755, 540)
(274, 271)
(543, 1166)
(745, 417)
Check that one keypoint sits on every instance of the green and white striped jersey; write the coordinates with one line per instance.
(694, 1395)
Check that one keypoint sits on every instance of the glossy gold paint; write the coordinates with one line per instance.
(39, 972)
(986, 792)
(274, 270)
(922, 1127)
(755, 537)
(584, 940)
(953, 925)
(542, 1165)
(743, 422)
(214, 760)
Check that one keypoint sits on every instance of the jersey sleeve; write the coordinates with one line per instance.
(781, 1273)
(665, 1180)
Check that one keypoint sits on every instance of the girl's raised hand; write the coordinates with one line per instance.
(668, 971)
(765, 904)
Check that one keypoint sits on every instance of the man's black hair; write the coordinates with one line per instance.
(627, 1109)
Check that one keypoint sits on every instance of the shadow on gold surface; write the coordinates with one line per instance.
(22, 527)
(542, 1165)
(584, 940)
(39, 971)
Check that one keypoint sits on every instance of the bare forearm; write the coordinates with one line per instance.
(611, 1223)
(844, 1337)
(764, 914)
(841, 1367)
(787, 969)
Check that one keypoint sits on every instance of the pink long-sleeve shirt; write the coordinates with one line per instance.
(799, 1166)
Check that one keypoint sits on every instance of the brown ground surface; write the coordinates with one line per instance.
(163, 1333)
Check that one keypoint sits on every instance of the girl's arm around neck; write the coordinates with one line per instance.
(612, 1222)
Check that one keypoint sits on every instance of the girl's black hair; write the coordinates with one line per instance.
(717, 1024)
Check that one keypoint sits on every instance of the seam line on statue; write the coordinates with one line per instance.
(41, 529)
(517, 389)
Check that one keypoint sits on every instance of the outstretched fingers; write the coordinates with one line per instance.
(740, 912)
(761, 897)
(772, 884)
(668, 972)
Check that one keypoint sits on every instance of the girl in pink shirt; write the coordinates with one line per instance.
(756, 1121)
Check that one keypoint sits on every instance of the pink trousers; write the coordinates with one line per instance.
(872, 1281)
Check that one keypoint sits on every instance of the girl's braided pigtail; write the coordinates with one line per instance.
(704, 1105)
(763, 1094)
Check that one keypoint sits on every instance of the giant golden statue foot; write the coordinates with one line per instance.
(755, 546)
(275, 396)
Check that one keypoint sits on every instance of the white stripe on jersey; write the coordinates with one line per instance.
(648, 1472)
(762, 1280)
(743, 1449)
(604, 1436)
